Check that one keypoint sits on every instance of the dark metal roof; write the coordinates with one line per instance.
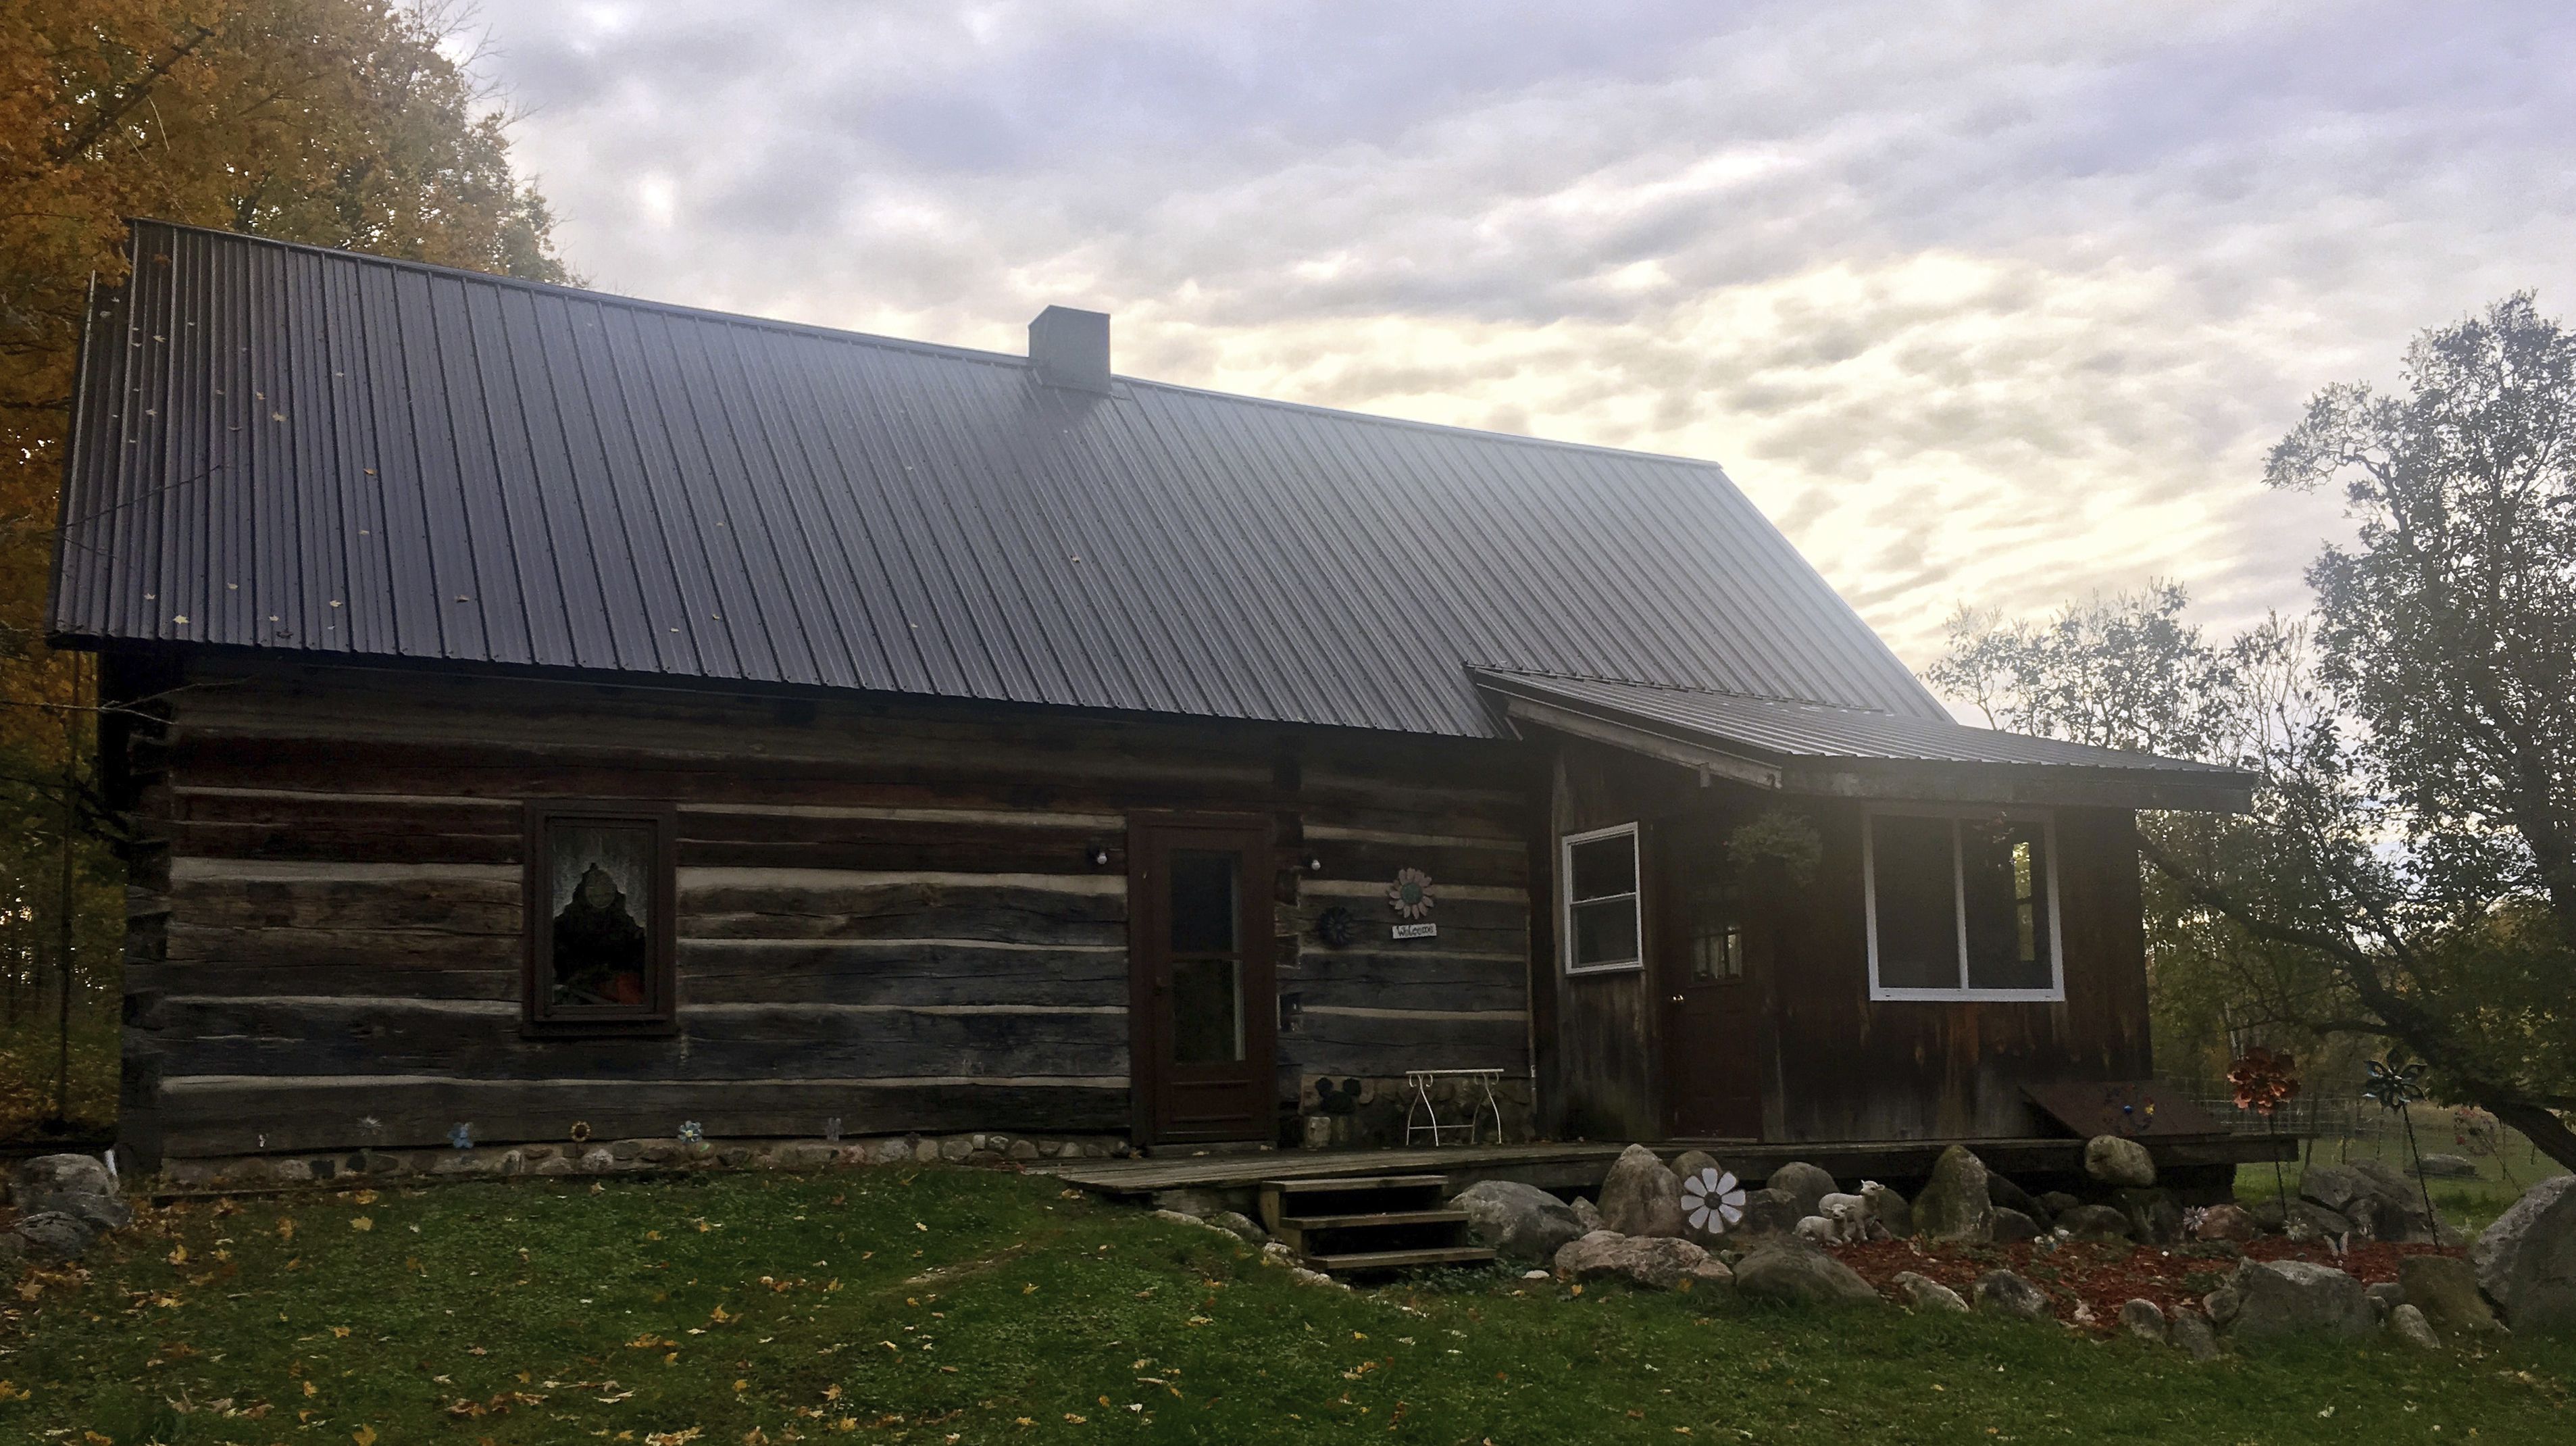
(1816, 747)
(289, 448)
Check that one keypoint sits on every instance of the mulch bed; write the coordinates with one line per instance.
(2104, 1277)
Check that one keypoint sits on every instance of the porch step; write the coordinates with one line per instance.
(1370, 1222)
(1367, 1260)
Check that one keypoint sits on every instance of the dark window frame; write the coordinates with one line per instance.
(2053, 992)
(659, 1014)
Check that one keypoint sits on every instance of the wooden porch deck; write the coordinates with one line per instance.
(1579, 1165)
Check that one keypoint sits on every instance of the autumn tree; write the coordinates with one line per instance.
(341, 122)
(2408, 873)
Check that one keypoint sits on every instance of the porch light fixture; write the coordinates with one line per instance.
(1096, 856)
(1312, 863)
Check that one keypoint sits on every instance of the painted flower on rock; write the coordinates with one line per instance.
(1712, 1200)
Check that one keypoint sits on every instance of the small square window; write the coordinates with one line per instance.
(1602, 921)
(600, 918)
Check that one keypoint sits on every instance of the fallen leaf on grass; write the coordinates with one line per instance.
(364, 1436)
(362, 1222)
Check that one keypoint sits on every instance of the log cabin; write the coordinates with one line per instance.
(536, 710)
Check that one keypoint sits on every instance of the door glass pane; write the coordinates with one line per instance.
(2004, 873)
(601, 903)
(1207, 1011)
(1203, 901)
(1917, 894)
(1716, 929)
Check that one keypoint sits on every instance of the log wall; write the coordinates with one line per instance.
(886, 911)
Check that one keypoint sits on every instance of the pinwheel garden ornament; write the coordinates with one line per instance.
(2393, 1088)
(2265, 1081)
(1712, 1200)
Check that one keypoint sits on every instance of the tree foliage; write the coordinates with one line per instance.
(2409, 868)
(346, 123)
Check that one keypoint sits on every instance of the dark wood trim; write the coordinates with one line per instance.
(1146, 912)
(659, 1013)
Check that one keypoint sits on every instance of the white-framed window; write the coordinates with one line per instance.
(1962, 904)
(1603, 925)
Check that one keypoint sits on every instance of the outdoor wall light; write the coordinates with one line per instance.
(1097, 856)
(1312, 863)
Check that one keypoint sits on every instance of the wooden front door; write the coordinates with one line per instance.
(1203, 1001)
(1702, 964)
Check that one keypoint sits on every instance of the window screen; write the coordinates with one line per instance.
(1601, 900)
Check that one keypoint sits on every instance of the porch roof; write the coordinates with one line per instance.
(1797, 747)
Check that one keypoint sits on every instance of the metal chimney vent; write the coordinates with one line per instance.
(1070, 349)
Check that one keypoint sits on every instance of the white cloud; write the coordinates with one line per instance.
(1986, 303)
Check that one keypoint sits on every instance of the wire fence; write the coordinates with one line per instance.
(2336, 1126)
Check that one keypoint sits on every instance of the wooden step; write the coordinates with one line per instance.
(1401, 1259)
(1366, 1221)
(1356, 1183)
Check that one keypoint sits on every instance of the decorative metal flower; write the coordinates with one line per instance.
(2264, 1081)
(1712, 1200)
(1336, 928)
(461, 1137)
(1410, 894)
(580, 1131)
(2393, 1088)
(691, 1132)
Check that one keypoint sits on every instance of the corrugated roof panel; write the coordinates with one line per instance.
(612, 484)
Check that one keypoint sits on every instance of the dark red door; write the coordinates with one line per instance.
(1203, 1001)
(1703, 964)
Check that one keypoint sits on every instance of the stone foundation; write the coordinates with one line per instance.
(612, 1157)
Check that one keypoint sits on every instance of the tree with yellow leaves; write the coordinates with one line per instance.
(339, 122)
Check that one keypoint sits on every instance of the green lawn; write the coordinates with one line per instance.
(949, 1305)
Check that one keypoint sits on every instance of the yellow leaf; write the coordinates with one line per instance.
(179, 1255)
(311, 1389)
(362, 1223)
(741, 1385)
(364, 1436)
(285, 1228)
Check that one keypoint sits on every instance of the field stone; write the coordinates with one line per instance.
(2445, 1289)
(2012, 1225)
(2306, 1220)
(2526, 1260)
(2379, 1200)
(2194, 1336)
(1520, 1222)
(2154, 1218)
(2447, 1167)
(2226, 1222)
(53, 1236)
(1686, 1166)
(1807, 1184)
(1768, 1214)
(101, 1213)
(1888, 1208)
(1586, 1214)
(1791, 1270)
(2057, 1202)
(38, 1180)
(1655, 1262)
(2119, 1162)
(2410, 1328)
(2099, 1223)
(2143, 1319)
(1642, 1196)
(2294, 1297)
(2385, 1296)
(2008, 1196)
(2000, 1292)
(1954, 1205)
(1924, 1293)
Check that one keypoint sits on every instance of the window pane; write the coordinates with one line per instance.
(1716, 928)
(1605, 932)
(1207, 1011)
(1605, 866)
(2004, 871)
(602, 905)
(1918, 929)
(1203, 902)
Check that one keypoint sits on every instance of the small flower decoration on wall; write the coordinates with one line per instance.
(1410, 894)
(1713, 1200)
(692, 1133)
(580, 1131)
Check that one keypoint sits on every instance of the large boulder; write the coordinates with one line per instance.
(1793, 1271)
(2194, 1336)
(2445, 1289)
(2011, 1225)
(2447, 1167)
(1807, 1184)
(2226, 1222)
(1925, 1293)
(2099, 1223)
(1768, 1214)
(2292, 1297)
(1521, 1222)
(2120, 1163)
(1888, 1208)
(52, 1236)
(1642, 1196)
(2143, 1319)
(2008, 1196)
(2410, 1328)
(2000, 1292)
(1700, 1174)
(1954, 1205)
(36, 1182)
(1657, 1263)
(2154, 1218)
(2379, 1200)
(2526, 1261)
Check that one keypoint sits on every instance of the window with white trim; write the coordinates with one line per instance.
(1962, 904)
(1602, 920)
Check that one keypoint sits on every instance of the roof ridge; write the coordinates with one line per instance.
(949, 350)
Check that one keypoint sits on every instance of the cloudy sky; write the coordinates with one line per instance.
(1996, 304)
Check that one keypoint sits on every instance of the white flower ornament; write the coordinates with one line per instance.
(1713, 1200)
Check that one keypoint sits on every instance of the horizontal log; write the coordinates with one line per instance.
(819, 905)
(355, 977)
(1382, 1043)
(898, 971)
(1328, 979)
(300, 1036)
(351, 950)
(1366, 861)
(203, 1116)
(345, 896)
(388, 843)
